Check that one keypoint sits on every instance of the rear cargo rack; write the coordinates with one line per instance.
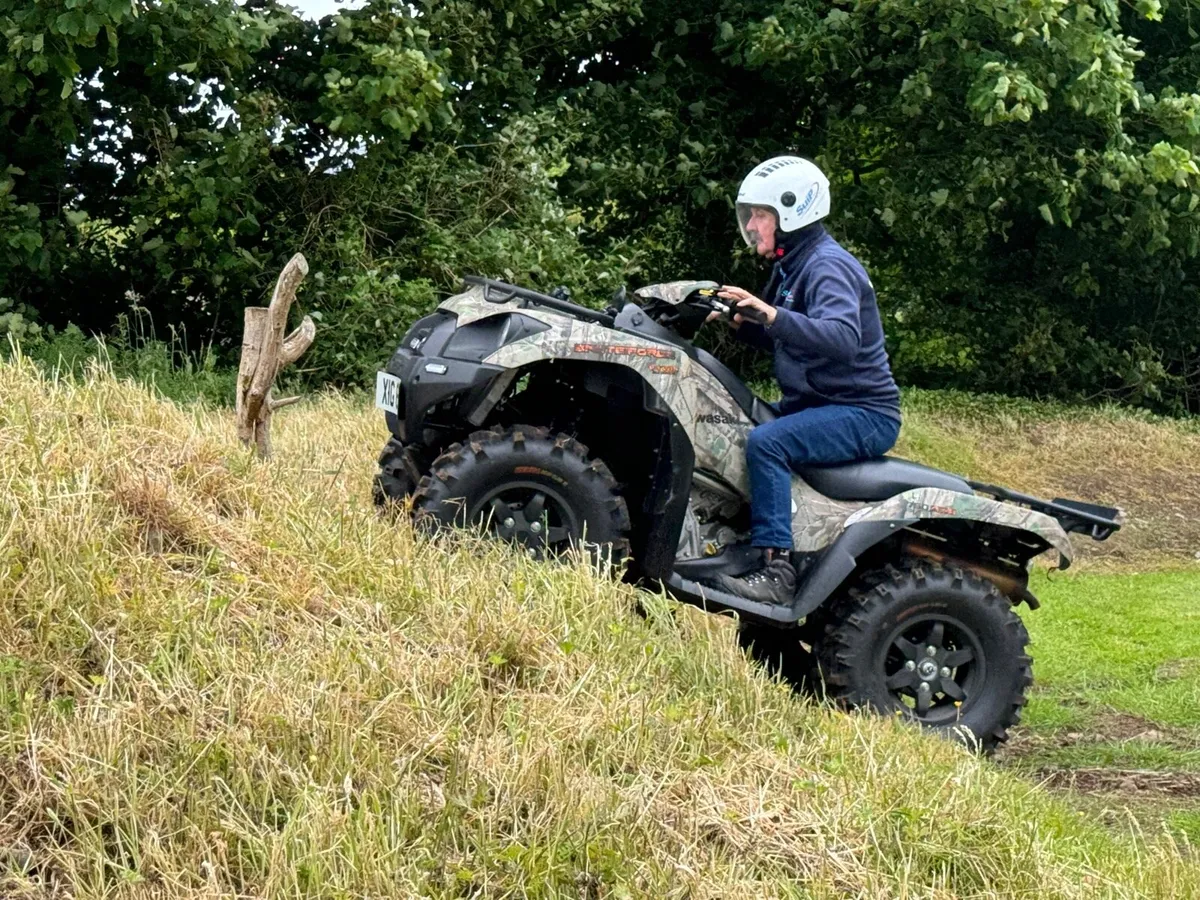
(502, 292)
(1098, 522)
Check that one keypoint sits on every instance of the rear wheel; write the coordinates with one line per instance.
(938, 646)
(523, 484)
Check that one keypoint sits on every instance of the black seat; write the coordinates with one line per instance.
(878, 479)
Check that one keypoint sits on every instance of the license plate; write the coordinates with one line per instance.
(387, 392)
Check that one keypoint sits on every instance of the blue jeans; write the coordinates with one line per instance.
(817, 436)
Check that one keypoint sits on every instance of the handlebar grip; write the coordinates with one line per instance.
(729, 310)
(750, 314)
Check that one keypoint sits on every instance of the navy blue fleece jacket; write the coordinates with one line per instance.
(827, 337)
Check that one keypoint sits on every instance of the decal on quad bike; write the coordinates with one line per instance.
(625, 350)
(713, 420)
(937, 503)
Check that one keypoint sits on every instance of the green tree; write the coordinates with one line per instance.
(1027, 203)
(1021, 177)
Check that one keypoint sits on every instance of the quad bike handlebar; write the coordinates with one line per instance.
(729, 310)
(686, 316)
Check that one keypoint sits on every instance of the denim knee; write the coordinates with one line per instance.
(760, 444)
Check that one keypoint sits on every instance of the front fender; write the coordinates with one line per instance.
(937, 503)
(710, 417)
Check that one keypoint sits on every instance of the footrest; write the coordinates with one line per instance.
(705, 597)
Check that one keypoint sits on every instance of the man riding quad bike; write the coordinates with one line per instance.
(554, 425)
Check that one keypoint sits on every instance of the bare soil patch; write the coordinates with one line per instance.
(1109, 727)
(1124, 781)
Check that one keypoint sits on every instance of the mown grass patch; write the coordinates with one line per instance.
(1115, 710)
(227, 678)
(1123, 643)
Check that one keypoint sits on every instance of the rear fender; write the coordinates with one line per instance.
(878, 522)
(936, 503)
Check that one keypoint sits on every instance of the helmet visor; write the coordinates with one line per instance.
(744, 212)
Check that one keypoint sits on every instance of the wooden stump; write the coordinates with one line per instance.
(265, 351)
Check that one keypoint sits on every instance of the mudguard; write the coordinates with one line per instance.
(937, 503)
(862, 530)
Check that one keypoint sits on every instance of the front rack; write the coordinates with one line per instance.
(502, 292)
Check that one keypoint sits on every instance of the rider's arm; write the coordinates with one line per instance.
(830, 326)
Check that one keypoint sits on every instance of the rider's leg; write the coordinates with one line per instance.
(817, 436)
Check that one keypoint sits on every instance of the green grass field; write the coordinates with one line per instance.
(222, 678)
(1115, 715)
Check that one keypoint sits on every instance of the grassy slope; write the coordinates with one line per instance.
(221, 678)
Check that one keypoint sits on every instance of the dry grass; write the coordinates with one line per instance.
(222, 679)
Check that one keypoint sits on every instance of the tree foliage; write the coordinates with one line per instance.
(1020, 177)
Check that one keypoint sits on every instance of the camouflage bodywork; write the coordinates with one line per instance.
(718, 427)
(713, 420)
(937, 503)
(470, 306)
(674, 291)
(817, 521)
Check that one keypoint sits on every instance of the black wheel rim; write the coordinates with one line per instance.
(933, 667)
(530, 514)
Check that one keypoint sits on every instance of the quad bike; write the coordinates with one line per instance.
(553, 424)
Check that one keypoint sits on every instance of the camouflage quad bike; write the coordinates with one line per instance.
(550, 423)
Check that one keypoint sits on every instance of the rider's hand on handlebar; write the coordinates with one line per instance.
(756, 310)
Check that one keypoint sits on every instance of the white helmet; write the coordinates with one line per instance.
(794, 187)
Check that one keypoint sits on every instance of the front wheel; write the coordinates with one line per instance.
(396, 479)
(523, 484)
(938, 646)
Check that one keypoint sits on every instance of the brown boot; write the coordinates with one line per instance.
(774, 583)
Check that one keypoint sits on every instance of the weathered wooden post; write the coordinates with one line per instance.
(265, 351)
